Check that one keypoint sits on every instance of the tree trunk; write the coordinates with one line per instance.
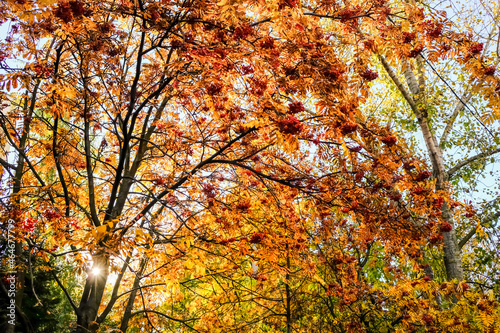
(130, 303)
(452, 255)
(414, 95)
(93, 293)
(16, 205)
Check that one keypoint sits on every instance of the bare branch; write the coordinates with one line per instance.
(471, 159)
(466, 96)
(399, 85)
(470, 234)
(66, 293)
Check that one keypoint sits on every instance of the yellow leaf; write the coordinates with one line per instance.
(100, 232)
(189, 264)
(319, 279)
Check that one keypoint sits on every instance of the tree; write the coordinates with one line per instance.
(450, 109)
(44, 307)
(207, 166)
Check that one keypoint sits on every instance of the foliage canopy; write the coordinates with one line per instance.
(217, 166)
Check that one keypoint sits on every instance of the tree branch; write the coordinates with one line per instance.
(338, 17)
(7, 165)
(114, 294)
(471, 159)
(183, 179)
(166, 316)
(399, 85)
(471, 233)
(459, 107)
(66, 293)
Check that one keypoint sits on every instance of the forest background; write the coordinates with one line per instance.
(250, 166)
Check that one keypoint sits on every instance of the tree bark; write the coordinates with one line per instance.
(415, 98)
(130, 303)
(93, 293)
